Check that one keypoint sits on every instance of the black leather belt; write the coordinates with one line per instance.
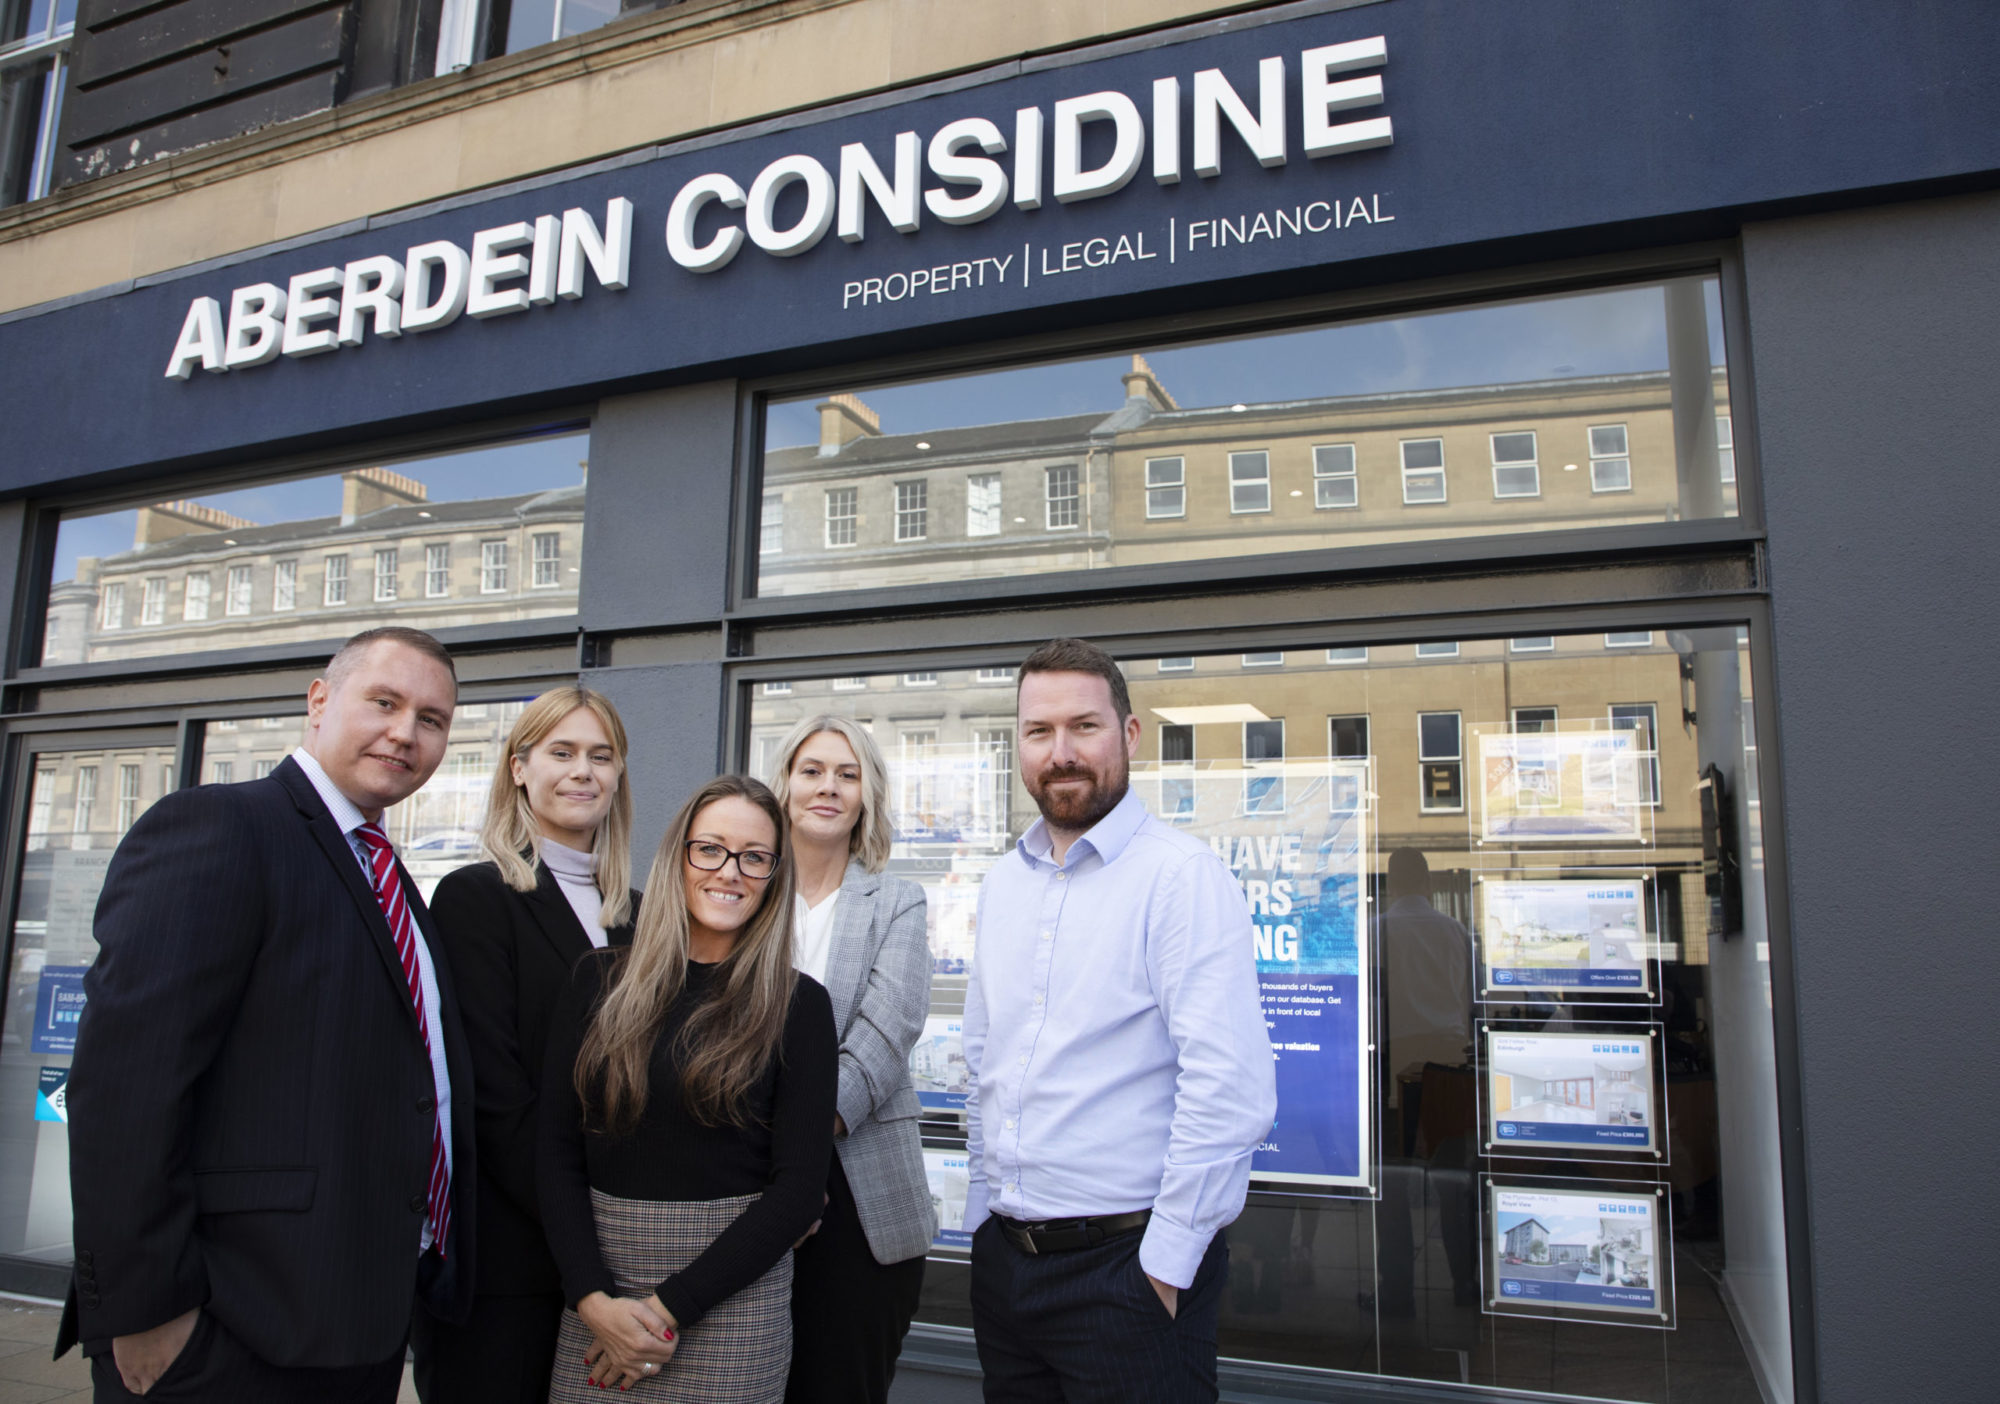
(1066, 1235)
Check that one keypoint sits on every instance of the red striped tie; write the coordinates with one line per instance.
(403, 926)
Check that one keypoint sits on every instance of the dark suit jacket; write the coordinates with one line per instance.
(512, 953)
(252, 1100)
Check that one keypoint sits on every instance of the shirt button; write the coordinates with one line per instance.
(1009, 1187)
(1010, 1123)
(1062, 877)
(1048, 935)
(1022, 1060)
(1038, 999)
(418, 1203)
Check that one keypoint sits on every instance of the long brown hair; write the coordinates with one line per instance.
(510, 835)
(733, 1035)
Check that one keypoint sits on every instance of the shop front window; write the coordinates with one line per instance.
(354, 530)
(1527, 1122)
(1545, 414)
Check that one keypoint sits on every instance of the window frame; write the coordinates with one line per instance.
(193, 599)
(1532, 463)
(384, 581)
(1403, 447)
(437, 570)
(1456, 759)
(336, 576)
(913, 509)
(1596, 458)
(992, 520)
(536, 560)
(234, 576)
(849, 520)
(1178, 487)
(285, 585)
(1072, 500)
(494, 566)
(1262, 480)
(1351, 475)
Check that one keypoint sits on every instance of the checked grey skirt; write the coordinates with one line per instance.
(738, 1354)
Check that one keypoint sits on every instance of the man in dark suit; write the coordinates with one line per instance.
(271, 1146)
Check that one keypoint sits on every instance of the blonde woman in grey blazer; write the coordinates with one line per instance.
(863, 935)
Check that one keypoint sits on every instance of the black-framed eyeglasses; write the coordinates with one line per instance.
(757, 864)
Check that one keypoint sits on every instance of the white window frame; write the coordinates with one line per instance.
(1368, 734)
(437, 570)
(983, 504)
(1166, 488)
(195, 590)
(1277, 786)
(1725, 447)
(771, 525)
(843, 526)
(285, 585)
(1066, 504)
(1651, 754)
(222, 772)
(855, 684)
(777, 689)
(1424, 471)
(1438, 648)
(920, 680)
(86, 800)
(913, 509)
(545, 560)
(994, 675)
(1631, 638)
(111, 606)
(1532, 463)
(333, 590)
(493, 564)
(128, 796)
(1514, 720)
(236, 591)
(1456, 758)
(51, 43)
(1269, 658)
(1336, 475)
(1177, 665)
(1351, 654)
(1250, 459)
(1533, 643)
(1601, 463)
(1177, 776)
(386, 560)
(41, 809)
(153, 600)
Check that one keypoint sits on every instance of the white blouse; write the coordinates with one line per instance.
(812, 934)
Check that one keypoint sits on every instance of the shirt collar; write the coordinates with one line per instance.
(344, 810)
(1107, 838)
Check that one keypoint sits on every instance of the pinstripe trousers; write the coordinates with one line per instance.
(1086, 1327)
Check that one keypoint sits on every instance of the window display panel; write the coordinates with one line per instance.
(80, 803)
(1370, 1240)
(1591, 409)
(477, 536)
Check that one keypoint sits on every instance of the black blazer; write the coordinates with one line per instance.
(252, 1100)
(512, 953)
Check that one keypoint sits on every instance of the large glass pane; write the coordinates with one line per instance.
(80, 803)
(1593, 409)
(479, 536)
(1557, 1169)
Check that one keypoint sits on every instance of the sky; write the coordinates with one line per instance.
(1594, 333)
(502, 470)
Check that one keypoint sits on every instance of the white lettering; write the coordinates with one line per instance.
(371, 286)
(303, 308)
(1320, 97)
(484, 297)
(200, 341)
(1071, 181)
(422, 312)
(1028, 158)
(1264, 134)
(542, 261)
(256, 330)
(812, 225)
(1167, 130)
(949, 166)
(609, 252)
(687, 208)
(898, 202)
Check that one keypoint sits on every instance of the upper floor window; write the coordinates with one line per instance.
(982, 504)
(492, 567)
(1166, 487)
(237, 598)
(1423, 470)
(1725, 447)
(771, 526)
(153, 600)
(35, 36)
(437, 570)
(842, 516)
(547, 547)
(335, 591)
(385, 575)
(1065, 497)
(1610, 463)
(194, 597)
(111, 606)
(470, 31)
(1437, 650)
(1334, 483)
(1348, 655)
(285, 585)
(1250, 482)
(1515, 471)
(913, 510)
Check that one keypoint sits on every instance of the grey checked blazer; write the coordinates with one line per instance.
(879, 975)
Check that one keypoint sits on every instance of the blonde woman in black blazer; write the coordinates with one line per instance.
(862, 934)
(555, 886)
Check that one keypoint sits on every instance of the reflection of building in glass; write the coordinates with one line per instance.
(1151, 481)
(197, 578)
(1527, 1241)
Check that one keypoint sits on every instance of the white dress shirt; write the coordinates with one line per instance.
(350, 818)
(812, 934)
(1115, 1038)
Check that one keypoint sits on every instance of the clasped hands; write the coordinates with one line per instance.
(632, 1339)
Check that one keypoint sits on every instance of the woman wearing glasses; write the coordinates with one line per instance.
(686, 1121)
(557, 838)
(862, 935)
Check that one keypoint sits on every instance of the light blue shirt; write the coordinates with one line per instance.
(1115, 1039)
(349, 817)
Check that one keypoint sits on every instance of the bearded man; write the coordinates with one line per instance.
(1120, 1069)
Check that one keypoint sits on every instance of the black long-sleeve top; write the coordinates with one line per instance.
(781, 1153)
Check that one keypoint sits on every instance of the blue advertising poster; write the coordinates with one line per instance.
(58, 1006)
(937, 1064)
(950, 1176)
(52, 1095)
(1575, 1248)
(1580, 1090)
(1295, 835)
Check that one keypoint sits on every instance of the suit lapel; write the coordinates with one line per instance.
(556, 918)
(326, 833)
(848, 961)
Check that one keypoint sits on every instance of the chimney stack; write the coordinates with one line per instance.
(1141, 384)
(371, 489)
(842, 420)
(163, 521)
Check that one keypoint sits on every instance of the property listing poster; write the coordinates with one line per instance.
(950, 1179)
(1295, 834)
(1578, 788)
(1565, 934)
(937, 1064)
(1576, 1248)
(1581, 1090)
